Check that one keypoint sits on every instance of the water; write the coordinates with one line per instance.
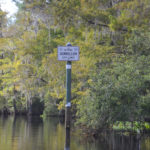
(23, 133)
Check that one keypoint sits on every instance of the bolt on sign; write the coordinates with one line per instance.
(68, 53)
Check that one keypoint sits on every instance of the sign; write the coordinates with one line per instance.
(68, 53)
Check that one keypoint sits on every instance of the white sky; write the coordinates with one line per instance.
(8, 6)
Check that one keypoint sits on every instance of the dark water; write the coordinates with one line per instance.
(36, 134)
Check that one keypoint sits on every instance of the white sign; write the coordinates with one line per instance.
(68, 53)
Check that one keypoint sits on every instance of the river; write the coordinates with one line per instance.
(22, 133)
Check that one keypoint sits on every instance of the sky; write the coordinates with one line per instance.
(8, 6)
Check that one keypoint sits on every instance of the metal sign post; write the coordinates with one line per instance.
(68, 53)
(68, 94)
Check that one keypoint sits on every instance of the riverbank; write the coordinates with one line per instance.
(119, 126)
(125, 128)
(132, 126)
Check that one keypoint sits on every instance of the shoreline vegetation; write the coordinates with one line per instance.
(120, 127)
(111, 81)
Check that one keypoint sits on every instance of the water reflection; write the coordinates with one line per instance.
(121, 141)
(67, 139)
(21, 133)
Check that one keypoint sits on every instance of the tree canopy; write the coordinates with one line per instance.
(110, 82)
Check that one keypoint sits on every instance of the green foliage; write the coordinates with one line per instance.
(120, 91)
(131, 126)
(110, 83)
